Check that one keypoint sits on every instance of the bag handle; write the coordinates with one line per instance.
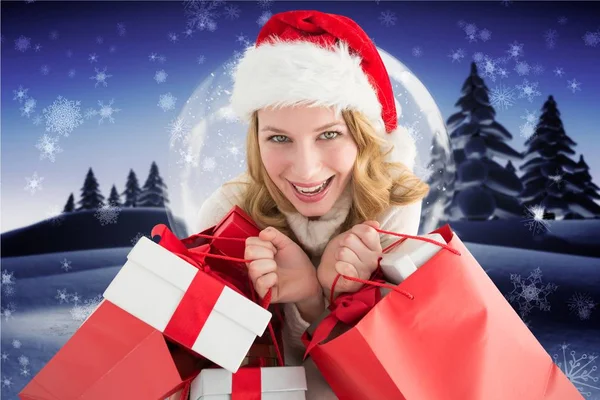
(388, 248)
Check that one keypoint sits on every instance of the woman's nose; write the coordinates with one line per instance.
(306, 163)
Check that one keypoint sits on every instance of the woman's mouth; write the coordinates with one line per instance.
(314, 193)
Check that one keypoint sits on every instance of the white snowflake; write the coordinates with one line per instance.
(530, 292)
(23, 361)
(160, 76)
(16, 343)
(562, 20)
(485, 35)
(107, 214)
(4, 356)
(24, 371)
(178, 131)
(167, 101)
(388, 18)
(208, 164)
(99, 39)
(202, 15)
(137, 237)
(37, 120)
(574, 86)
(22, 44)
(63, 116)
(112, 49)
(502, 97)
(93, 58)
(20, 94)
(557, 178)
(6, 382)
(488, 68)
(581, 304)
(121, 29)
(232, 12)
(80, 312)
(535, 219)
(579, 370)
(470, 29)
(62, 296)
(48, 147)
(7, 278)
(559, 71)
(34, 183)
(28, 108)
(173, 37)
(75, 298)
(37, 47)
(522, 68)
(189, 32)
(100, 77)
(528, 90)
(65, 265)
(188, 158)
(8, 311)
(417, 51)
(591, 39)
(457, 55)
(515, 50)
(106, 111)
(530, 117)
(538, 69)
(71, 73)
(201, 59)
(264, 17)
(527, 130)
(153, 57)
(54, 35)
(265, 3)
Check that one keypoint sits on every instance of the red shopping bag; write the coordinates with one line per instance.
(445, 333)
(114, 355)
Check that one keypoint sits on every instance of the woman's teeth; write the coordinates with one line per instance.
(311, 190)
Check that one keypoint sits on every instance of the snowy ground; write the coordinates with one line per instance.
(44, 304)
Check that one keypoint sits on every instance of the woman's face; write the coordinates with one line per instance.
(307, 149)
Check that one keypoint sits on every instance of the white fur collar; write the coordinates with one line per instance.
(314, 235)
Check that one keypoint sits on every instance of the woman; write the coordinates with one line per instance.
(327, 164)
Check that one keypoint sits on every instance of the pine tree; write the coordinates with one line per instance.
(551, 179)
(582, 204)
(132, 190)
(70, 206)
(91, 198)
(483, 189)
(114, 199)
(154, 191)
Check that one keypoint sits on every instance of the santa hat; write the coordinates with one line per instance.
(311, 57)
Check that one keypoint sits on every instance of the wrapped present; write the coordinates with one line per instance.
(406, 345)
(114, 355)
(404, 259)
(280, 383)
(187, 304)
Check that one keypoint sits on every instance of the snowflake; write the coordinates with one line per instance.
(121, 29)
(65, 265)
(48, 147)
(24, 371)
(202, 15)
(160, 76)
(4, 356)
(530, 117)
(530, 293)
(538, 69)
(515, 50)
(470, 29)
(559, 71)
(63, 116)
(34, 183)
(535, 219)
(107, 214)
(137, 238)
(106, 111)
(71, 73)
(562, 20)
(178, 130)
(417, 51)
(265, 3)
(45, 70)
(55, 215)
(62, 296)
(489, 68)
(20, 94)
(8, 311)
(208, 164)
(522, 68)
(53, 35)
(172, 37)
(188, 158)
(23, 361)
(37, 120)
(201, 59)
(22, 44)
(550, 37)
(112, 49)
(16, 343)
(528, 90)
(100, 77)
(232, 12)
(153, 57)
(189, 32)
(557, 178)
(93, 58)
(582, 305)
(28, 108)
(7, 278)
(264, 17)
(388, 18)
(6, 382)
(75, 298)
(99, 39)
(502, 97)
(80, 312)
(37, 47)
(579, 375)
(485, 35)
(574, 86)
(457, 55)
(167, 101)
(591, 39)
(9, 290)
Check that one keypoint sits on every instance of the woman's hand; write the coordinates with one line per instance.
(354, 253)
(278, 263)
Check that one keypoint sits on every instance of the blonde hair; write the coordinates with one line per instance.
(376, 184)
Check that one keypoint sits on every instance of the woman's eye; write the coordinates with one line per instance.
(331, 134)
(277, 138)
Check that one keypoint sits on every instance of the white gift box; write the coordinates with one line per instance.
(277, 383)
(151, 285)
(403, 260)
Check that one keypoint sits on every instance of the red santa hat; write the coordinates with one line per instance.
(320, 59)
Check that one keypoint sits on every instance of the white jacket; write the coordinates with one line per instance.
(314, 236)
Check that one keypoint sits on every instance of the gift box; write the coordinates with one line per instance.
(271, 383)
(114, 355)
(188, 305)
(404, 259)
(406, 345)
